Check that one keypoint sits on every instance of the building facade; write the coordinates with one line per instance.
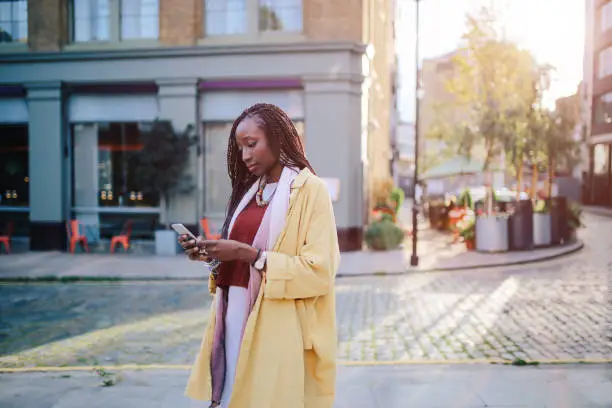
(80, 80)
(598, 104)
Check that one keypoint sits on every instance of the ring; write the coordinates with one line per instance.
(203, 251)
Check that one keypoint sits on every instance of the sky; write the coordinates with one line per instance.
(553, 30)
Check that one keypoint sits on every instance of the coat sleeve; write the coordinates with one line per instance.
(311, 273)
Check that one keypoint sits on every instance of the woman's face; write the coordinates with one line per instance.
(253, 143)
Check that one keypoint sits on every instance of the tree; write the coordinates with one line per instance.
(160, 165)
(495, 81)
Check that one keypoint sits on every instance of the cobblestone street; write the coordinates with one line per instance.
(550, 311)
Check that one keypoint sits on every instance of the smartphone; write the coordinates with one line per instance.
(182, 230)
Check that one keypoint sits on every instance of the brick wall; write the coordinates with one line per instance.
(333, 19)
(47, 24)
(180, 21)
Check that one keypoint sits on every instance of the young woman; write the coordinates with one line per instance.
(271, 337)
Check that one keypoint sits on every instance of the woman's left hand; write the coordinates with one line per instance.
(228, 250)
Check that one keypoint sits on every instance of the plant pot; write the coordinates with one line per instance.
(492, 233)
(166, 242)
(541, 229)
(520, 226)
(470, 244)
(559, 231)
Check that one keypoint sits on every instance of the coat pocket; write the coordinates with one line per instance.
(304, 315)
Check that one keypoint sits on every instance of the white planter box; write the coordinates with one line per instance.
(541, 229)
(492, 234)
(165, 242)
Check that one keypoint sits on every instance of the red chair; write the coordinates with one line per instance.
(208, 234)
(123, 238)
(6, 239)
(74, 234)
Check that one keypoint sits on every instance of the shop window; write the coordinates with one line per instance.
(217, 184)
(14, 179)
(106, 192)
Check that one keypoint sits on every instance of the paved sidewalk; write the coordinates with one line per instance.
(436, 252)
(407, 386)
(592, 209)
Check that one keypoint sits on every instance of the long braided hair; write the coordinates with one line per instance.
(284, 141)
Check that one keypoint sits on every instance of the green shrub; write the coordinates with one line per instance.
(465, 199)
(397, 196)
(384, 235)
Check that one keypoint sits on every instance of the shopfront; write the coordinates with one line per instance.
(14, 166)
(106, 134)
(219, 108)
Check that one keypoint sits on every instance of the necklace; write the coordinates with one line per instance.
(259, 199)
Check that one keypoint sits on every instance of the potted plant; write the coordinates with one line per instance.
(465, 200)
(491, 226)
(381, 196)
(384, 235)
(574, 219)
(541, 224)
(160, 168)
(467, 230)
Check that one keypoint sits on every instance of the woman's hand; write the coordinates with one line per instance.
(228, 250)
(193, 248)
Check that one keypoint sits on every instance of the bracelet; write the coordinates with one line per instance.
(256, 257)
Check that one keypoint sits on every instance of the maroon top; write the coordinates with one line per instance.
(236, 273)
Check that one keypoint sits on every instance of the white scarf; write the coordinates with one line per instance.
(276, 213)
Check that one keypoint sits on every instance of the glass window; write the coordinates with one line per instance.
(106, 193)
(218, 188)
(91, 20)
(13, 21)
(225, 17)
(605, 62)
(603, 109)
(139, 19)
(601, 159)
(14, 179)
(280, 15)
(606, 16)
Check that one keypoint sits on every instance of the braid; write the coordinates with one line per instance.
(282, 137)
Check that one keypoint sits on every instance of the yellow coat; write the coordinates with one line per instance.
(288, 353)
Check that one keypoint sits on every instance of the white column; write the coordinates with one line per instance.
(48, 184)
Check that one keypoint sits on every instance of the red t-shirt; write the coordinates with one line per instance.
(236, 273)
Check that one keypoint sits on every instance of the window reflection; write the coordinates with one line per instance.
(14, 179)
(91, 20)
(280, 15)
(225, 17)
(217, 184)
(13, 21)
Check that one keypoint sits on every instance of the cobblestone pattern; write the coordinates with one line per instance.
(557, 310)
(540, 314)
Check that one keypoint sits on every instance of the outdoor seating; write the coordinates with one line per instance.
(6, 238)
(123, 238)
(74, 235)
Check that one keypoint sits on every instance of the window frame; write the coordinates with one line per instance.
(115, 30)
(14, 23)
(252, 32)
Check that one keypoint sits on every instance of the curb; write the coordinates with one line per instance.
(601, 212)
(186, 367)
(54, 279)
(578, 247)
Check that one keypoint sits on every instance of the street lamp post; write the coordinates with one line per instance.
(414, 258)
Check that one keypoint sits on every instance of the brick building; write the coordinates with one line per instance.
(80, 79)
(597, 93)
